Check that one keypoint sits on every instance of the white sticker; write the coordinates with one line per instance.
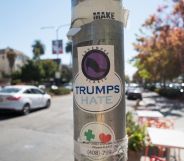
(90, 10)
(97, 142)
(97, 88)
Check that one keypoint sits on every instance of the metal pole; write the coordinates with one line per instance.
(56, 28)
(98, 70)
(57, 38)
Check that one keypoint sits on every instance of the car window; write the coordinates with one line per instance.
(9, 90)
(27, 91)
(36, 91)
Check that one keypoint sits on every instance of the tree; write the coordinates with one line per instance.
(11, 55)
(16, 77)
(127, 79)
(38, 71)
(137, 78)
(38, 49)
(68, 49)
(66, 73)
(178, 12)
(160, 48)
(49, 67)
(32, 72)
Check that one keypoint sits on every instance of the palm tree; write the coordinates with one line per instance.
(68, 49)
(38, 49)
(11, 55)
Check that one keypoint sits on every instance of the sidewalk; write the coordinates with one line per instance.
(172, 109)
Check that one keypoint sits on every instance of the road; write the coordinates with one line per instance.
(172, 109)
(47, 134)
(44, 135)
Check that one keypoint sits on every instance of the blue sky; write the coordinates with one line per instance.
(21, 23)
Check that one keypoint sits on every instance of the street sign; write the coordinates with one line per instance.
(57, 46)
(57, 75)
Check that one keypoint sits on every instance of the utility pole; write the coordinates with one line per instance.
(58, 72)
(98, 71)
(57, 34)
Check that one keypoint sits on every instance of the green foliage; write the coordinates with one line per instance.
(16, 75)
(152, 88)
(144, 74)
(68, 48)
(49, 67)
(136, 134)
(5, 75)
(66, 74)
(38, 49)
(59, 91)
(16, 81)
(169, 92)
(160, 44)
(36, 71)
(32, 72)
(127, 79)
(11, 55)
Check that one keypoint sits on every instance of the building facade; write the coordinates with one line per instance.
(11, 60)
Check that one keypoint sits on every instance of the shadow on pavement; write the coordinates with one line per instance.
(170, 113)
(168, 107)
(150, 105)
(4, 115)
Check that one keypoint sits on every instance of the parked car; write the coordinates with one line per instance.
(134, 93)
(69, 86)
(42, 87)
(130, 86)
(54, 87)
(23, 98)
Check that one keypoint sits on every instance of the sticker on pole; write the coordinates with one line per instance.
(97, 87)
(88, 11)
(97, 142)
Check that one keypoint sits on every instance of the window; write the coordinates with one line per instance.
(9, 90)
(28, 91)
(36, 91)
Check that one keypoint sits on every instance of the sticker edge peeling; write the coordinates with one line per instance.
(121, 150)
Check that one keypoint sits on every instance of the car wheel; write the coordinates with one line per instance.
(128, 98)
(48, 104)
(140, 97)
(26, 109)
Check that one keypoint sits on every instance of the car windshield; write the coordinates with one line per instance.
(9, 90)
(68, 84)
(136, 89)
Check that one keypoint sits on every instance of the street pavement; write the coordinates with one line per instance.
(44, 135)
(170, 108)
(47, 134)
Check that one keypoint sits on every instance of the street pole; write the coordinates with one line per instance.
(57, 74)
(98, 71)
(57, 38)
(57, 34)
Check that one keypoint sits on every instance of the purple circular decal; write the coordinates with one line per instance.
(95, 65)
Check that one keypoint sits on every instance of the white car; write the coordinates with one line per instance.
(23, 98)
(69, 86)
